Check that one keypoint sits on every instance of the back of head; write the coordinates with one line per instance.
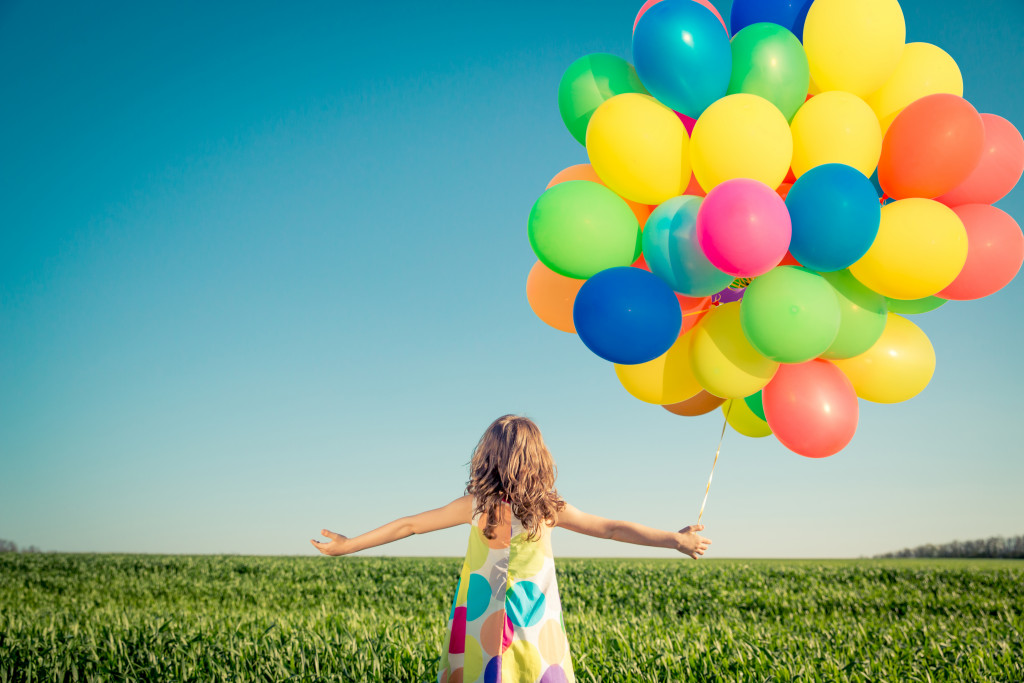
(511, 463)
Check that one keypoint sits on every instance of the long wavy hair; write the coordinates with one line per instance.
(512, 464)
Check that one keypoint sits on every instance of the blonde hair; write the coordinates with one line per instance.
(512, 464)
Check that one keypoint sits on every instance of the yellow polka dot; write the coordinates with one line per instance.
(551, 642)
(474, 661)
(460, 597)
(477, 553)
(525, 558)
(521, 662)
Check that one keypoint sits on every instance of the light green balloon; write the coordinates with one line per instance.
(588, 83)
(579, 228)
(790, 314)
(862, 316)
(769, 61)
(914, 306)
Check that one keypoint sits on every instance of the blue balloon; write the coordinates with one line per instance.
(673, 253)
(682, 55)
(627, 315)
(787, 13)
(835, 214)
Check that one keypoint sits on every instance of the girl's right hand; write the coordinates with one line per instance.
(335, 546)
(690, 543)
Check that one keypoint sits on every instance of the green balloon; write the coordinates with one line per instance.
(769, 61)
(579, 228)
(756, 405)
(588, 83)
(914, 306)
(862, 316)
(790, 314)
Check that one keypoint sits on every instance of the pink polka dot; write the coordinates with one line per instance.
(507, 633)
(457, 644)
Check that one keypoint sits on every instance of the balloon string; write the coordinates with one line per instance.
(697, 312)
(718, 450)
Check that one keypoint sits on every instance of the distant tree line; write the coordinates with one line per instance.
(997, 546)
(12, 547)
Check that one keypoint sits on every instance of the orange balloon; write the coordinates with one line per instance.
(931, 147)
(701, 404)
(586, 172)
(551, 296)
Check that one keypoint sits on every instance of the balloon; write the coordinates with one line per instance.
(638, 147)
(723, 360)
(789, 14)
(769, 61)
(920, 248)
(931, 147)
(995, 251)
(755, 403)
(587, 83)
(790, 314)
(743, 228)
(701, 404)
(579, 228)
(586, 172)
(914, 306)
(1001, 165)
(666, 379)
(673, 253)
(854, 46)
(923, 69)
(627, 315)
(836, 128)
(647, 5)
(682, 56)
(896, 368)
(862, 316)
(551, 296)
(693, 309)
(811, 408)
(835, 215)
(741, 418)
(741, 136)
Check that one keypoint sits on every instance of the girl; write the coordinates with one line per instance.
(506, 618)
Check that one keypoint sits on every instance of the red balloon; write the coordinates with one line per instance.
(811, 408)
(1001, 166)
(650, 3)
(995, 252)
(931, 147)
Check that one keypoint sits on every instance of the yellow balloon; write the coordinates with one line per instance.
(836, 127)
(897, 368)
(723, 361)
(921, 247)
(664, 380)
(853, 45)
(924, 69)
(741, 136)
(741, 418)
(639, 148)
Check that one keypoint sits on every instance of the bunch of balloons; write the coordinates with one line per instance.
(760, 209)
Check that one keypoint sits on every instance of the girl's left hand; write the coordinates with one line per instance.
(335, 546)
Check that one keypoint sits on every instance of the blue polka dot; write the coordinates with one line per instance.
(524, 603)
(479, 596)
(493, 672)
(455, 598)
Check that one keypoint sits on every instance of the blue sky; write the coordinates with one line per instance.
(262, 271)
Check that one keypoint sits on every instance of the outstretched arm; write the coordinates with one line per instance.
(685, 540)
(459, 511)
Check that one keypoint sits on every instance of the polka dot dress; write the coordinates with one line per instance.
(506, 619)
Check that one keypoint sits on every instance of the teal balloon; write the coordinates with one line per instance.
(862, 316)
(769, 61)
(756, 405)
(790, 314)
(579, 228)
(915, 306)
(673, 253)
(588, 83)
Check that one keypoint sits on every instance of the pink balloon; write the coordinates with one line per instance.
(743, 227)
(688, 123)
(1001, 166)
(995, 252)
(811, 408)
(705, 3)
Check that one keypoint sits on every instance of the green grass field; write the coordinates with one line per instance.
(216, 618)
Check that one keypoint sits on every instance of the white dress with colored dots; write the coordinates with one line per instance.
(506, 619)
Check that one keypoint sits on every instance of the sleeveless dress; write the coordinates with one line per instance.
(506, 618)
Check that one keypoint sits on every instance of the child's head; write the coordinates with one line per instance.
(511, 463)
